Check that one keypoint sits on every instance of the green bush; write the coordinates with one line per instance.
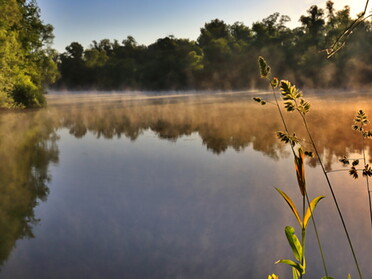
(28, 95)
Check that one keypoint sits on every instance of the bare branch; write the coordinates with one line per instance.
(342, 38)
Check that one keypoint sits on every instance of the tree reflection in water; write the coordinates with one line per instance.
(222, 122)
(28, 140)
(27, 147)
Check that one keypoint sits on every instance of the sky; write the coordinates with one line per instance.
(148, 20)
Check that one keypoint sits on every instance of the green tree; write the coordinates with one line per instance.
(215, 40)
(124, 64)
(224, 56)
(170, 64)
(314, 25)
(26, 59)
(72, 66)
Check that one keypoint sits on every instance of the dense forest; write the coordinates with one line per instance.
(225, 56)
(27, 62)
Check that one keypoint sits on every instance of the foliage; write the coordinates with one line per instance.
(298, 248)
(291, 96)
(360, 121)
(223, 56)
(25, 173)
(287, 138)
(293, 101)
(26, 60)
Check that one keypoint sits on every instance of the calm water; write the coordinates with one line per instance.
(120, 186)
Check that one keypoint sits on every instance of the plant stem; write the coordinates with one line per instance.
(303, 234)
(367, 181)
(330, 171)
(281, 114)
(317, 237)
(307, 197)
(303, 243)
(332, 192)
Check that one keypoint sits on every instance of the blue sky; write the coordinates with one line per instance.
(147, 20)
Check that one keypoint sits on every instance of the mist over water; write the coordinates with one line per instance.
(177, 186)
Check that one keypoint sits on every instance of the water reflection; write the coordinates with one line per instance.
(125, 204)
(27, 147)
(222, 122)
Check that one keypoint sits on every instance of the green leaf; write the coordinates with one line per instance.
(291, 205)
(309, 154)
(311, 209)
(297, 266)
(289, 106)
(361, 118)
(344, 161)
(289, 91)
(286, 138)
(353, 172)
(294, 243)
(294, 273)
(367, 134)
(304, 106)
(327, 277)
(367, 171)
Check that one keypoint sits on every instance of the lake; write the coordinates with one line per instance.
(178, 186)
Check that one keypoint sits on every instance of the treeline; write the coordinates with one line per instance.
(27, 63)
(225, 56)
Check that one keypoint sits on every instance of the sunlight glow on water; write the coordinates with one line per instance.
(178, 189)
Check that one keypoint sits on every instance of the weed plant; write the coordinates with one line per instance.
(360, 121)
(293, 101)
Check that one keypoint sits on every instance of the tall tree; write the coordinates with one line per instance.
(170, 64)
(314, 24)
(225, 56)
(72, 67)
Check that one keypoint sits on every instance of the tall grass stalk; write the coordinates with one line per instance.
(291, 96)
(367, 181)
(274, 84)
(306, 194)
(333, 194)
